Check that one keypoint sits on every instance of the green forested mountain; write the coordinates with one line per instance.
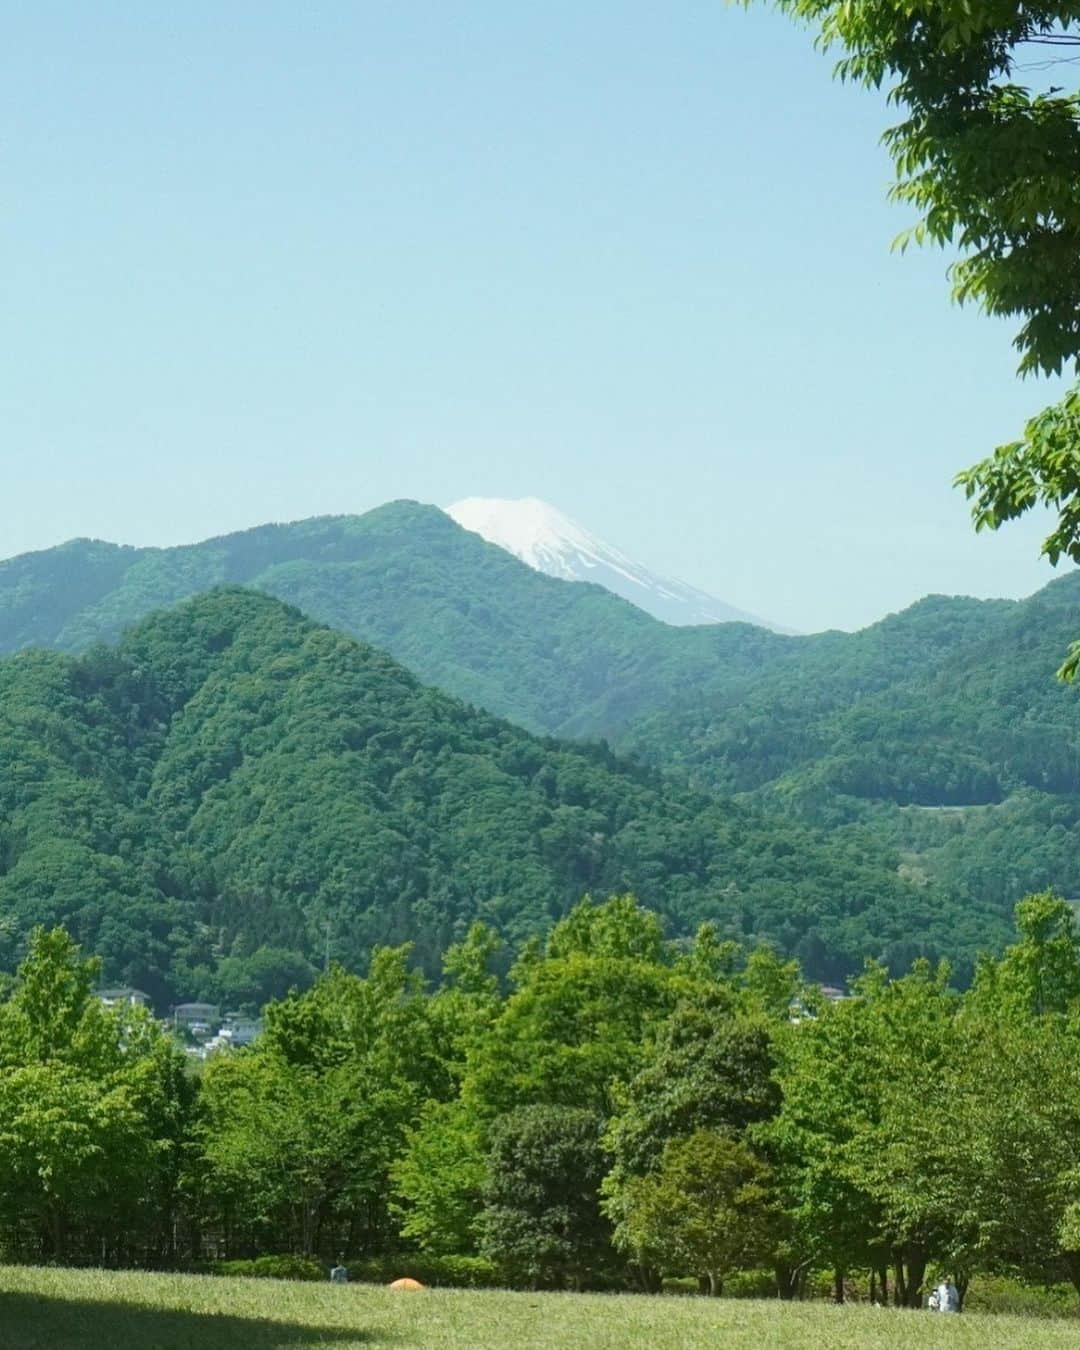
(554, 656)
(965, 756)
(940, 730)
(234, 781)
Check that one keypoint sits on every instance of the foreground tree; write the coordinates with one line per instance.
(849, 1076)
(708, 1209)
(94, 1113)
(582, 1010)
(542, 1223)
(301, 1132)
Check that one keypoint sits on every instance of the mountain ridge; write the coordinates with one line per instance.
(547, 540)
(950, 702)
(233, 776)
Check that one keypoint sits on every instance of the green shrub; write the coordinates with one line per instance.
(682, 1285)
(272, 1268)
(460, 1272)
(739, 1284)
(1005, 1294)
(750, 1284)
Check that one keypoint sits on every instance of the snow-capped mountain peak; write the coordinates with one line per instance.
(551, 542)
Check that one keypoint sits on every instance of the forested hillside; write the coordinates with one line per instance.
(965, 754)
(554, 656)
(236, 783)
(940, 730)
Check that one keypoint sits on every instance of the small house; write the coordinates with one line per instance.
(123, 994)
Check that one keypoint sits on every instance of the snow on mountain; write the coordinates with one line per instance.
(550, 542)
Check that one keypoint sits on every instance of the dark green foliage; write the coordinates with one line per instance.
(709, 1069)
(542, 1224)
(453, 1272)
(234, 782)
(940, 731)
(271, 1268)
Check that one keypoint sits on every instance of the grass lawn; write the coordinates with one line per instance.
(97, 1310)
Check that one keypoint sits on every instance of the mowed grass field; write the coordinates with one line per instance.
(47, 1309)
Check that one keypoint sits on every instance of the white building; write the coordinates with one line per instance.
(133, 998)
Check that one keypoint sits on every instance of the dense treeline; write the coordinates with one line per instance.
(234, 792)
(619, 1110)
(951, 703)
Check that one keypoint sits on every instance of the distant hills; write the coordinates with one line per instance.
(939, 732)
(234, 783)
(462, 613)
(551, 542)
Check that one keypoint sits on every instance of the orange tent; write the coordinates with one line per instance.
(406, 1283)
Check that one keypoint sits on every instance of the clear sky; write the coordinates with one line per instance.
(269, 260)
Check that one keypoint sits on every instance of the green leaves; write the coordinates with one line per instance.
(1040, 469)
(542, 1223)
(92, 1109)
(709, 1208)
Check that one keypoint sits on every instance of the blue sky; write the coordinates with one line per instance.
(268, 260)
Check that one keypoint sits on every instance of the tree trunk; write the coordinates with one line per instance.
(787, 1280)
(883, 1277)
(915, 1275)
(716, 1284)
(838, 1285)
(909, 1277)
(1072, 1270)
(899, 1288)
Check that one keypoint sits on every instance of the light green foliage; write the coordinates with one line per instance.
(1039, 974)
(1002, 1136)
(581, 1015)
(301, 1132)
(709, 1208)
(856, 1194)
(93, 1112)
(469, 999)
(1041, 469)
(439, 1179)
(625, 1081)
(990, 165)
(1069, 1228)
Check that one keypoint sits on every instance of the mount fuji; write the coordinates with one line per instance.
(551, 542)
